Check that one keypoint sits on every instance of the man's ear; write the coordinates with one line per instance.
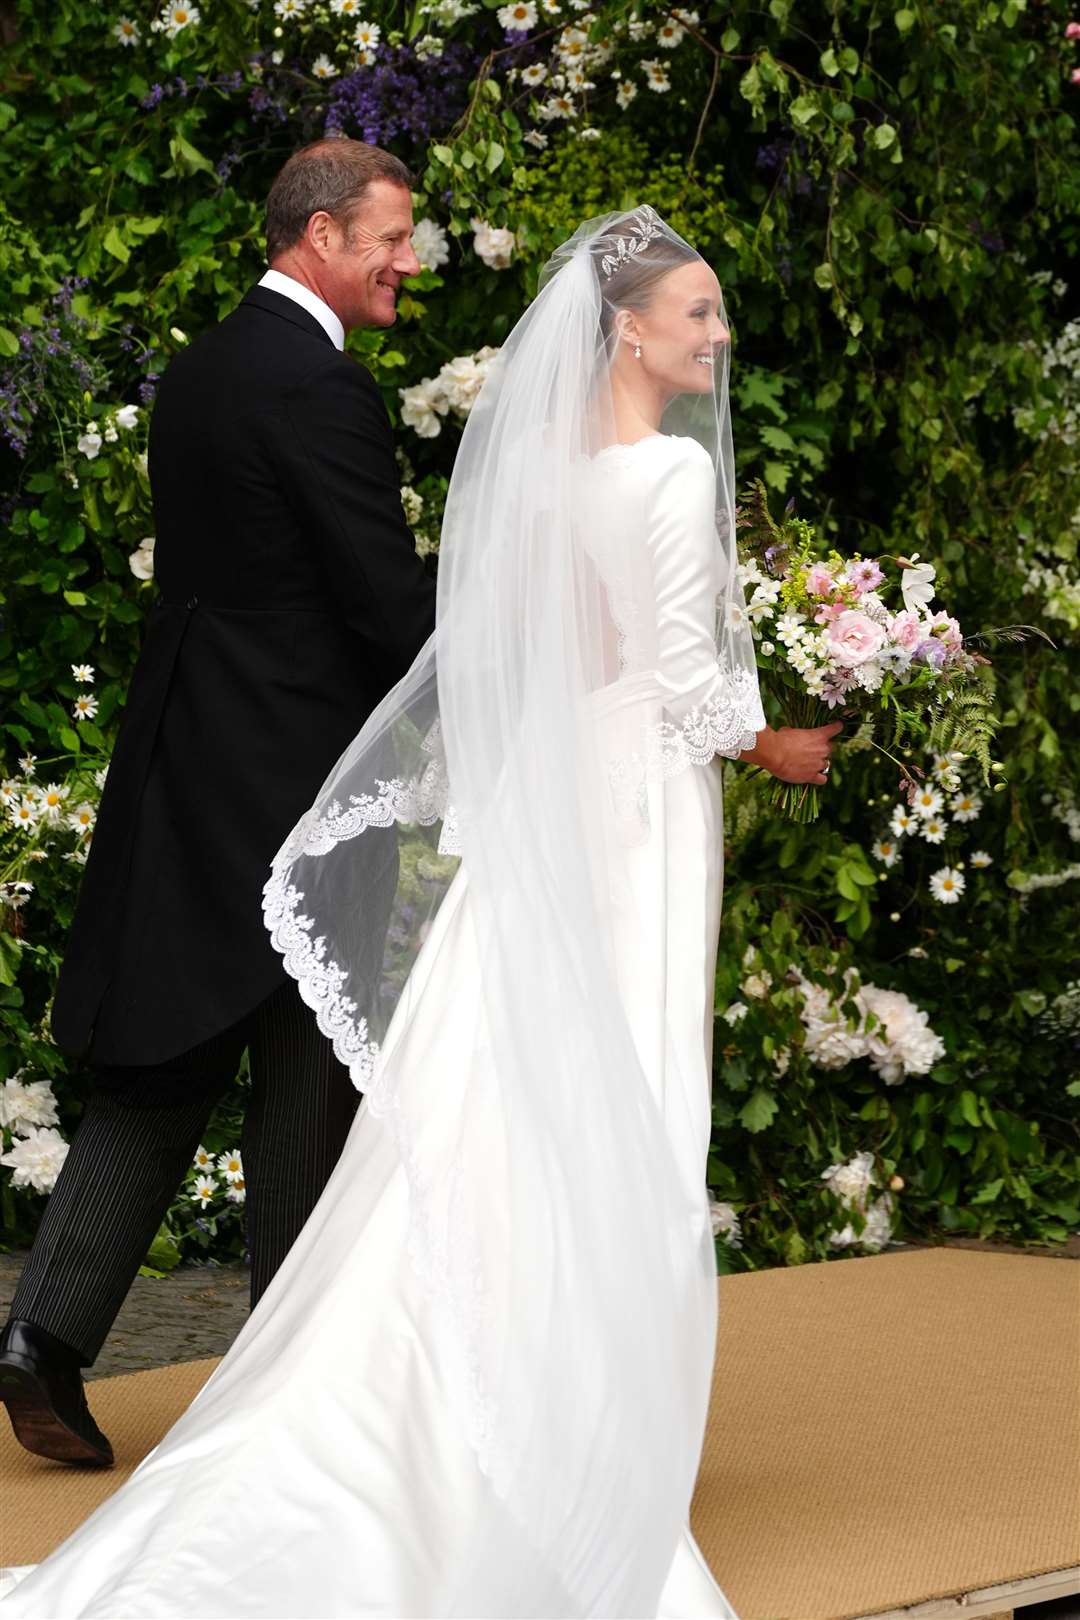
(320, 233)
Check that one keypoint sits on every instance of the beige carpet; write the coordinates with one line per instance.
(883, 1431)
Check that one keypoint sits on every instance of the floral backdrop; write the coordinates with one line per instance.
(891, 199)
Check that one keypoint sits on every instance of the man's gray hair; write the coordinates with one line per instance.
(329, 176)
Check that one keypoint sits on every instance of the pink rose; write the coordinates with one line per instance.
(906, 630)
(1075, 75)
(853, 638)
(819, 581)
(1072, 30)
(947, 630)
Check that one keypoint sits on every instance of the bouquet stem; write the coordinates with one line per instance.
(799, 801)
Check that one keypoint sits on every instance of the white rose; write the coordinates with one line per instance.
(141, 561)
(851, 1182)
(23, 1106)
(430, 244)
(903, 1043)
(493, 244)
(756, 986)
(422, 405)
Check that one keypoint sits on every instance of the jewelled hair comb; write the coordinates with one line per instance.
(627, 248)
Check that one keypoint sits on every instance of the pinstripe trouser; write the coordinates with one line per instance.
(136, 1140)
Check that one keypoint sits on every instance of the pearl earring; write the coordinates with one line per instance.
(637, 351)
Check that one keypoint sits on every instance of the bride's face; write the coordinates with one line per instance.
(681, 333)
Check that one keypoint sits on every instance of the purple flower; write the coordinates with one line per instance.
(931, 653)
(401, 98)
(153, 97)
(864, 574)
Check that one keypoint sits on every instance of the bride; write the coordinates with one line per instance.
(478, 1385)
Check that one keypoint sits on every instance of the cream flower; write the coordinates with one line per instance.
(656, 76)
(141, 561)
(26, 1106)
(126, 32)
(966, 807)
(323, 68)
(421, 407)
(85, 707)
(81, 819)
(927, 802)
(725, 1224)
(533, 75)
(493, 244)
(886, 850)
(367, 35)
(980, 860)
(933, 829)
(669, 33)
(83, 673)
(174, 19)
(625, 94)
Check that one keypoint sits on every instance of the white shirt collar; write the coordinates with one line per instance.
(280, 283)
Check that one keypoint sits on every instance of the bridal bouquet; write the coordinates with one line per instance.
(857, 635)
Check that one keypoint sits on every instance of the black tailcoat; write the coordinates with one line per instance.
(291, 601)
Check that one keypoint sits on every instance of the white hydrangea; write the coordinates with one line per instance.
(36, 1159)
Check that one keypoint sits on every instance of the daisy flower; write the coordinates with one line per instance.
(175, 18)
(9, 793)
(534, 137)
(52, 801)
(902, 821)
(345, 8)
(237, 1191)
(669, 34)
(886, 850)
(84, 673)
(125, 32)
(230, 1166)
(27, 763)
(203, 1190)
(367, 35)
(980, 860)
(535, 74)
(323, 68)
(625, 94)
(289, 8)
(520, 16)
(927, 802)
(966, 806)
(558, 107)
(85, 707)
(933, 829)
(656, 76)
(947, 885)
(81, 819)
(25, 815)
(203, 1160)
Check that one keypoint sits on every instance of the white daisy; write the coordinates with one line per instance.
(345, 8)
(27, 763)
(669, 34)
(289, 8)
(535, 74)
(9, 792)
(980, 860)
(84, 673)
(572, 46)
(203, 1160)
(966, 807)
(886, 850)
(520, 16)
(203, 1191)
(577, 79)
(947, 885)
(558, 107)
(85, 706)
(24, 815)
(237, 1192)
(534, 137)
(125, 32)
(230, 1166)
(52, 801)
(367, 35)
(656, 76)
(81, 819)
(323, 68)
(927, 802)
(933, 829)
(175, 18)
(625, 94)
(902, 821)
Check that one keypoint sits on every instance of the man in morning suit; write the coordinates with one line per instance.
(291, 600)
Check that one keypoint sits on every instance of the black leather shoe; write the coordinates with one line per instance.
(42, 1387)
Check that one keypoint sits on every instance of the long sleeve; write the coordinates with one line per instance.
(341, 475)
(714, 702)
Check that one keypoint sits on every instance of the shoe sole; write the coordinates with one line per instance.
(37, 1426)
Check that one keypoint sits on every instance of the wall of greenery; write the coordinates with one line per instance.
(891, 197)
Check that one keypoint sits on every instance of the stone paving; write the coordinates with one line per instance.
(194, 1313)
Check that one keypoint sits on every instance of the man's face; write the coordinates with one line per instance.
(368, 262)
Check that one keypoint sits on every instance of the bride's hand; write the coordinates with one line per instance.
(795, 754)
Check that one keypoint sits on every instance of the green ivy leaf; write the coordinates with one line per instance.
(759, 1111)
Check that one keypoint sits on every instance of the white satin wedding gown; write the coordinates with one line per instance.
(323, 1470)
